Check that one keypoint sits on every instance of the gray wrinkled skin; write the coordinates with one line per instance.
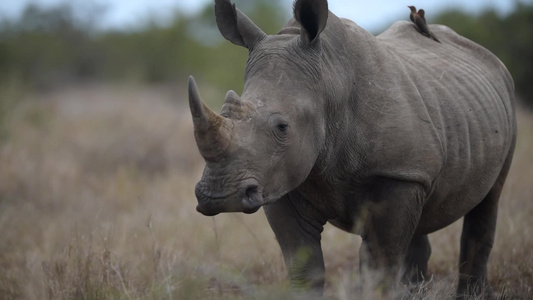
(389, 137)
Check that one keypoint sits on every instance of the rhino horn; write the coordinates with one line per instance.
(212, 131)
(236, 108)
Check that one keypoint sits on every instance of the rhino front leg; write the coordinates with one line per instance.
(393, 211)
(297, 226)
(416, 260)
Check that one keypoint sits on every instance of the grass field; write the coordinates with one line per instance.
(97, 202)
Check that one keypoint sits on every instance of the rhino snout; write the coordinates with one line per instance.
(248, 199)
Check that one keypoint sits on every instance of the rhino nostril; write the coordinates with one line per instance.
(252, 199)
(251, 191)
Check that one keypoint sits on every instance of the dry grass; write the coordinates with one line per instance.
(97, 202)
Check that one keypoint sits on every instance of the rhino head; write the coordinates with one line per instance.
(264, 143)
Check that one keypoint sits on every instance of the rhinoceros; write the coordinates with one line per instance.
(390, 137)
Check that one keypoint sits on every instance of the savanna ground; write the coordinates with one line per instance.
(97, 202)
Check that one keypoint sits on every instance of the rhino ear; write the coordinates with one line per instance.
(235, 26)
(312, 16)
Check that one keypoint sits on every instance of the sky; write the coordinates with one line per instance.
(370, 14)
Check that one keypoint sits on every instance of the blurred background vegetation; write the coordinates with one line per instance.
(45, 48)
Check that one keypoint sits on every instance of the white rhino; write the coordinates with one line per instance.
(390, 137)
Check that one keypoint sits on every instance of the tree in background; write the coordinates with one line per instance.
(46, 47)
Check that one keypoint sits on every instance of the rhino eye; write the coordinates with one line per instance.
(282, 127)
(279, 124)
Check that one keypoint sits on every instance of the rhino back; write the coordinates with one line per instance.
(468, 94)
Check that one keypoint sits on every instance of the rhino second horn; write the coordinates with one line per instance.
(212, 131)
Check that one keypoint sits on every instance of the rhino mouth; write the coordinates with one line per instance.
(247, 200)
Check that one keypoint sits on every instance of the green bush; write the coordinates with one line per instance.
(46, 47)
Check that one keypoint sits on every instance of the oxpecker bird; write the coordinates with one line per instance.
(420, 21)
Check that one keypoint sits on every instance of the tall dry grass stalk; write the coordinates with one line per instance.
(97, 202)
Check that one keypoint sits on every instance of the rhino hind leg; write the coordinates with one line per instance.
(416, 260)
(477, 238)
